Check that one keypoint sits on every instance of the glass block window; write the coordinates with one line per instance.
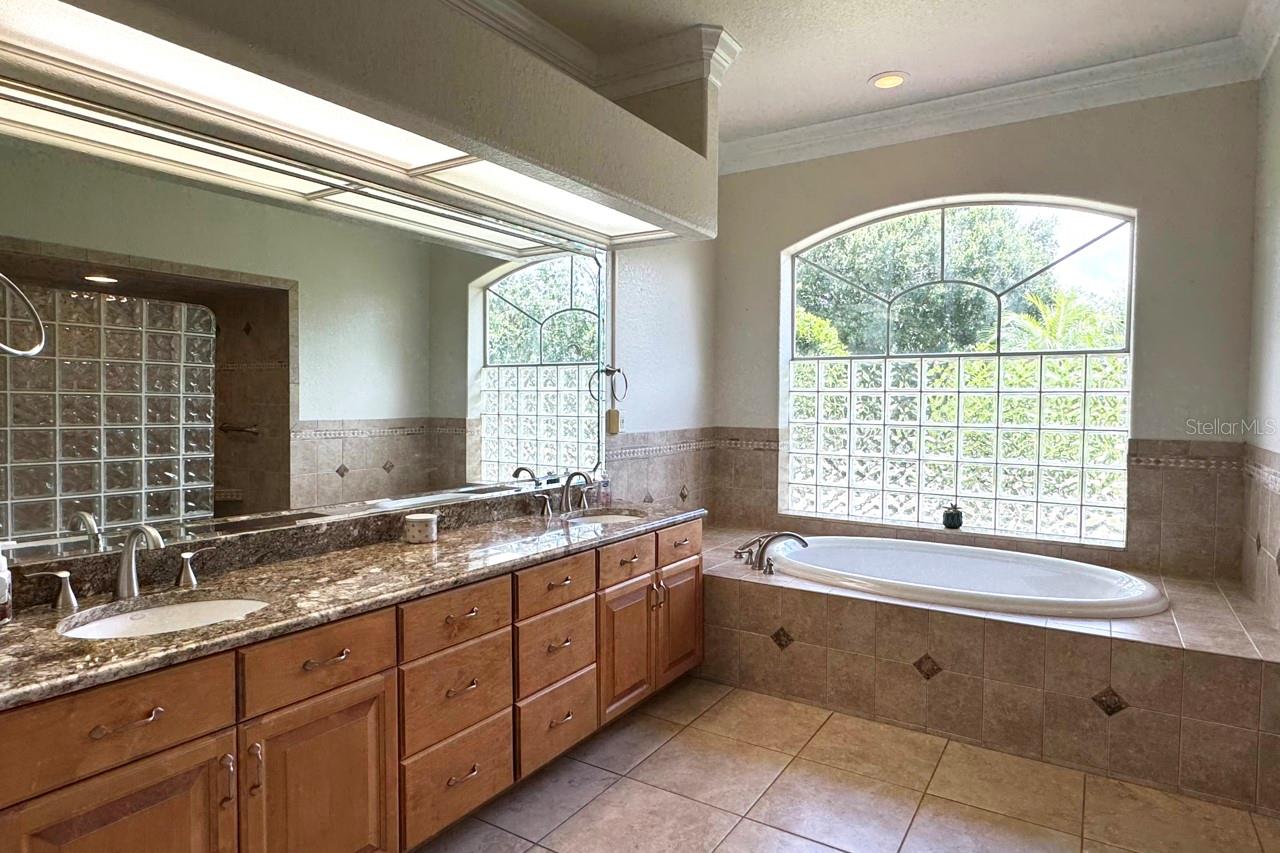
(115, 417)
(975, 354)
(538, 403)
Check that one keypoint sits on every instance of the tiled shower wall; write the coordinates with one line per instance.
(114, 418)
(1261, 569)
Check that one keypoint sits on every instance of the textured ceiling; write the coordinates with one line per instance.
(806, 61)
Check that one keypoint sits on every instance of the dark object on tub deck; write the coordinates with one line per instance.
(952, 517)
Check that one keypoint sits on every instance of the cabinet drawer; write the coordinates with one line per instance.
(552, 720)
(543, 587)
(71, 737)
(451, 778)
(444, 693)
(627, 559)
(275, 673)
(555, 644)
(448, 618)
(679, 542)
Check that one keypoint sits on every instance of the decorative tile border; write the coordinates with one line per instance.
(377, 432)
(1199, 463)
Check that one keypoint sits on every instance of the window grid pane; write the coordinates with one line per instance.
(1026, 445)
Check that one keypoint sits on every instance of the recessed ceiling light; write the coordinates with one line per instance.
(101, 279)
(889, 79)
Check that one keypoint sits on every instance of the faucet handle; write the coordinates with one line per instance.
(67, 602)
(187, 578)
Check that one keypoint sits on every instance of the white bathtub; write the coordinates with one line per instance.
(963, 576)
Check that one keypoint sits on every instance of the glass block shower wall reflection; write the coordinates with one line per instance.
(543, 417)
(1027, 444)
(115, 418)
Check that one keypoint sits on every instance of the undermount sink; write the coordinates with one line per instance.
(158, 619)
(603, 515)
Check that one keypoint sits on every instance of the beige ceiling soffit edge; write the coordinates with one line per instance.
(1202, 66)
(534, 34)
(701, 52)
(1260, 31)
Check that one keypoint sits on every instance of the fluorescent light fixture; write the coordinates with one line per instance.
(103, 47)
(889, 79)
(122, 139)
(504, 185)
(387, 206)
(101, 279)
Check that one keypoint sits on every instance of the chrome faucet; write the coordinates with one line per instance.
(762, 563)
(127, 576)
(566, 490)
(524, 469)
(747, 550)
(86, 522)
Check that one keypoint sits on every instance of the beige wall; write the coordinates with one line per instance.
(1185, 163)
(1264, 384)
(665, 329)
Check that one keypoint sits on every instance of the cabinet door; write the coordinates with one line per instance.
(320, 775)
(626, 647)
(182, 800)
(679, 619)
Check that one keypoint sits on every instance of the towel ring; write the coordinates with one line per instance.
(31, 309)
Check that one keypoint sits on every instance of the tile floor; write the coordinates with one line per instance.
(705, 767)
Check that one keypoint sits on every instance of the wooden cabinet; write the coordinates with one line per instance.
(320, 775)
(679, 616)
(448, 618)
(627, 630)
(650, 634)
(52, 743)
(446, 692)
(291, 668)
(182, 800)
(552, 720)
(443, 783)
(553, 645)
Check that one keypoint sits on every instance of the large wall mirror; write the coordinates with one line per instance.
(215, 354)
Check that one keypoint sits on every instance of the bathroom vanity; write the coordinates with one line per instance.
(367, 713)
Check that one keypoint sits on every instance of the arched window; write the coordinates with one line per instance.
(542, 339)
(975, 353)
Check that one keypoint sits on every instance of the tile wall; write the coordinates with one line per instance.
(1261, 529)
(1207, 724)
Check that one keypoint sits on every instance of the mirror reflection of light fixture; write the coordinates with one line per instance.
(101, 279)
(888, 79)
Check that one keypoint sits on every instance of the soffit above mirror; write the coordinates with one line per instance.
(308, 149)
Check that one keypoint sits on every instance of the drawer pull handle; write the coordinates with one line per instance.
(680, 543)
(310, 663)
(470, 614)
(635, 558)
(568, 715)
(229, 761)
(555, 647)
(665, 593)
(458, 691)
(657, 596)
(260, 762)
(565, 582)
(99, 732)
(458, 780)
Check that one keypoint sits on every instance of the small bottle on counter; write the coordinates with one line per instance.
(6, 583)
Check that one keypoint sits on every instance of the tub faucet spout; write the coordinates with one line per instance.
(763, 564)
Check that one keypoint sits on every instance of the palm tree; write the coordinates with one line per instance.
(1064, 321)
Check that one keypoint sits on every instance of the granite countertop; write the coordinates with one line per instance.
(38, 663)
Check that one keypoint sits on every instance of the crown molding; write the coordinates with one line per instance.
(1171, 72)
(534, 34)
(701, 52)
(1260, 30)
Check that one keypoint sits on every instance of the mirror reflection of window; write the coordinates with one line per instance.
(542, 337)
